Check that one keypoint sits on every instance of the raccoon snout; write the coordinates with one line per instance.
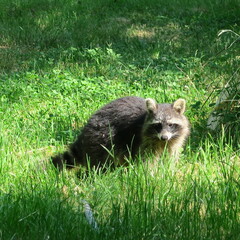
(164, 137)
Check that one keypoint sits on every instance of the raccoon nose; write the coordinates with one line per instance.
(164, 137)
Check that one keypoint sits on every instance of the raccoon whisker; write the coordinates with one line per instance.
(175, 136)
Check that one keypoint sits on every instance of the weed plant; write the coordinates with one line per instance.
(62, 60)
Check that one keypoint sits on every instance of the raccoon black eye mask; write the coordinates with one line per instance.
(125, 128)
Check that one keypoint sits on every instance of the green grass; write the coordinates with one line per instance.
(62, 60)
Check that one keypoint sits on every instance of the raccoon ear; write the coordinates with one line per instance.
(151, 105)
(179, 105)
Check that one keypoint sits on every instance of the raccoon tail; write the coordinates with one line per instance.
(65, 158)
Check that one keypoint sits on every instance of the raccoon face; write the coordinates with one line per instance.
(164, 131)
(165, 122)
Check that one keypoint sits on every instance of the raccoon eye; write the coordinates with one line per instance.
(173, 125)
(157, 127)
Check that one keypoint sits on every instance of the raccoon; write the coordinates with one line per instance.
(125, 128)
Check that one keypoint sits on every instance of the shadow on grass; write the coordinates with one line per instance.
(38, 34)
(42, 214)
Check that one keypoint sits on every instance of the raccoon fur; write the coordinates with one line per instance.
(125, 128)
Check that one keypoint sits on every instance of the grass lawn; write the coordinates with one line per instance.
(62, 60)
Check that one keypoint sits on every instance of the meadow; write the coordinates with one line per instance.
(62, 60)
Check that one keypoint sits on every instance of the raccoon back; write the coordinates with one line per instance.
(113, 130)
